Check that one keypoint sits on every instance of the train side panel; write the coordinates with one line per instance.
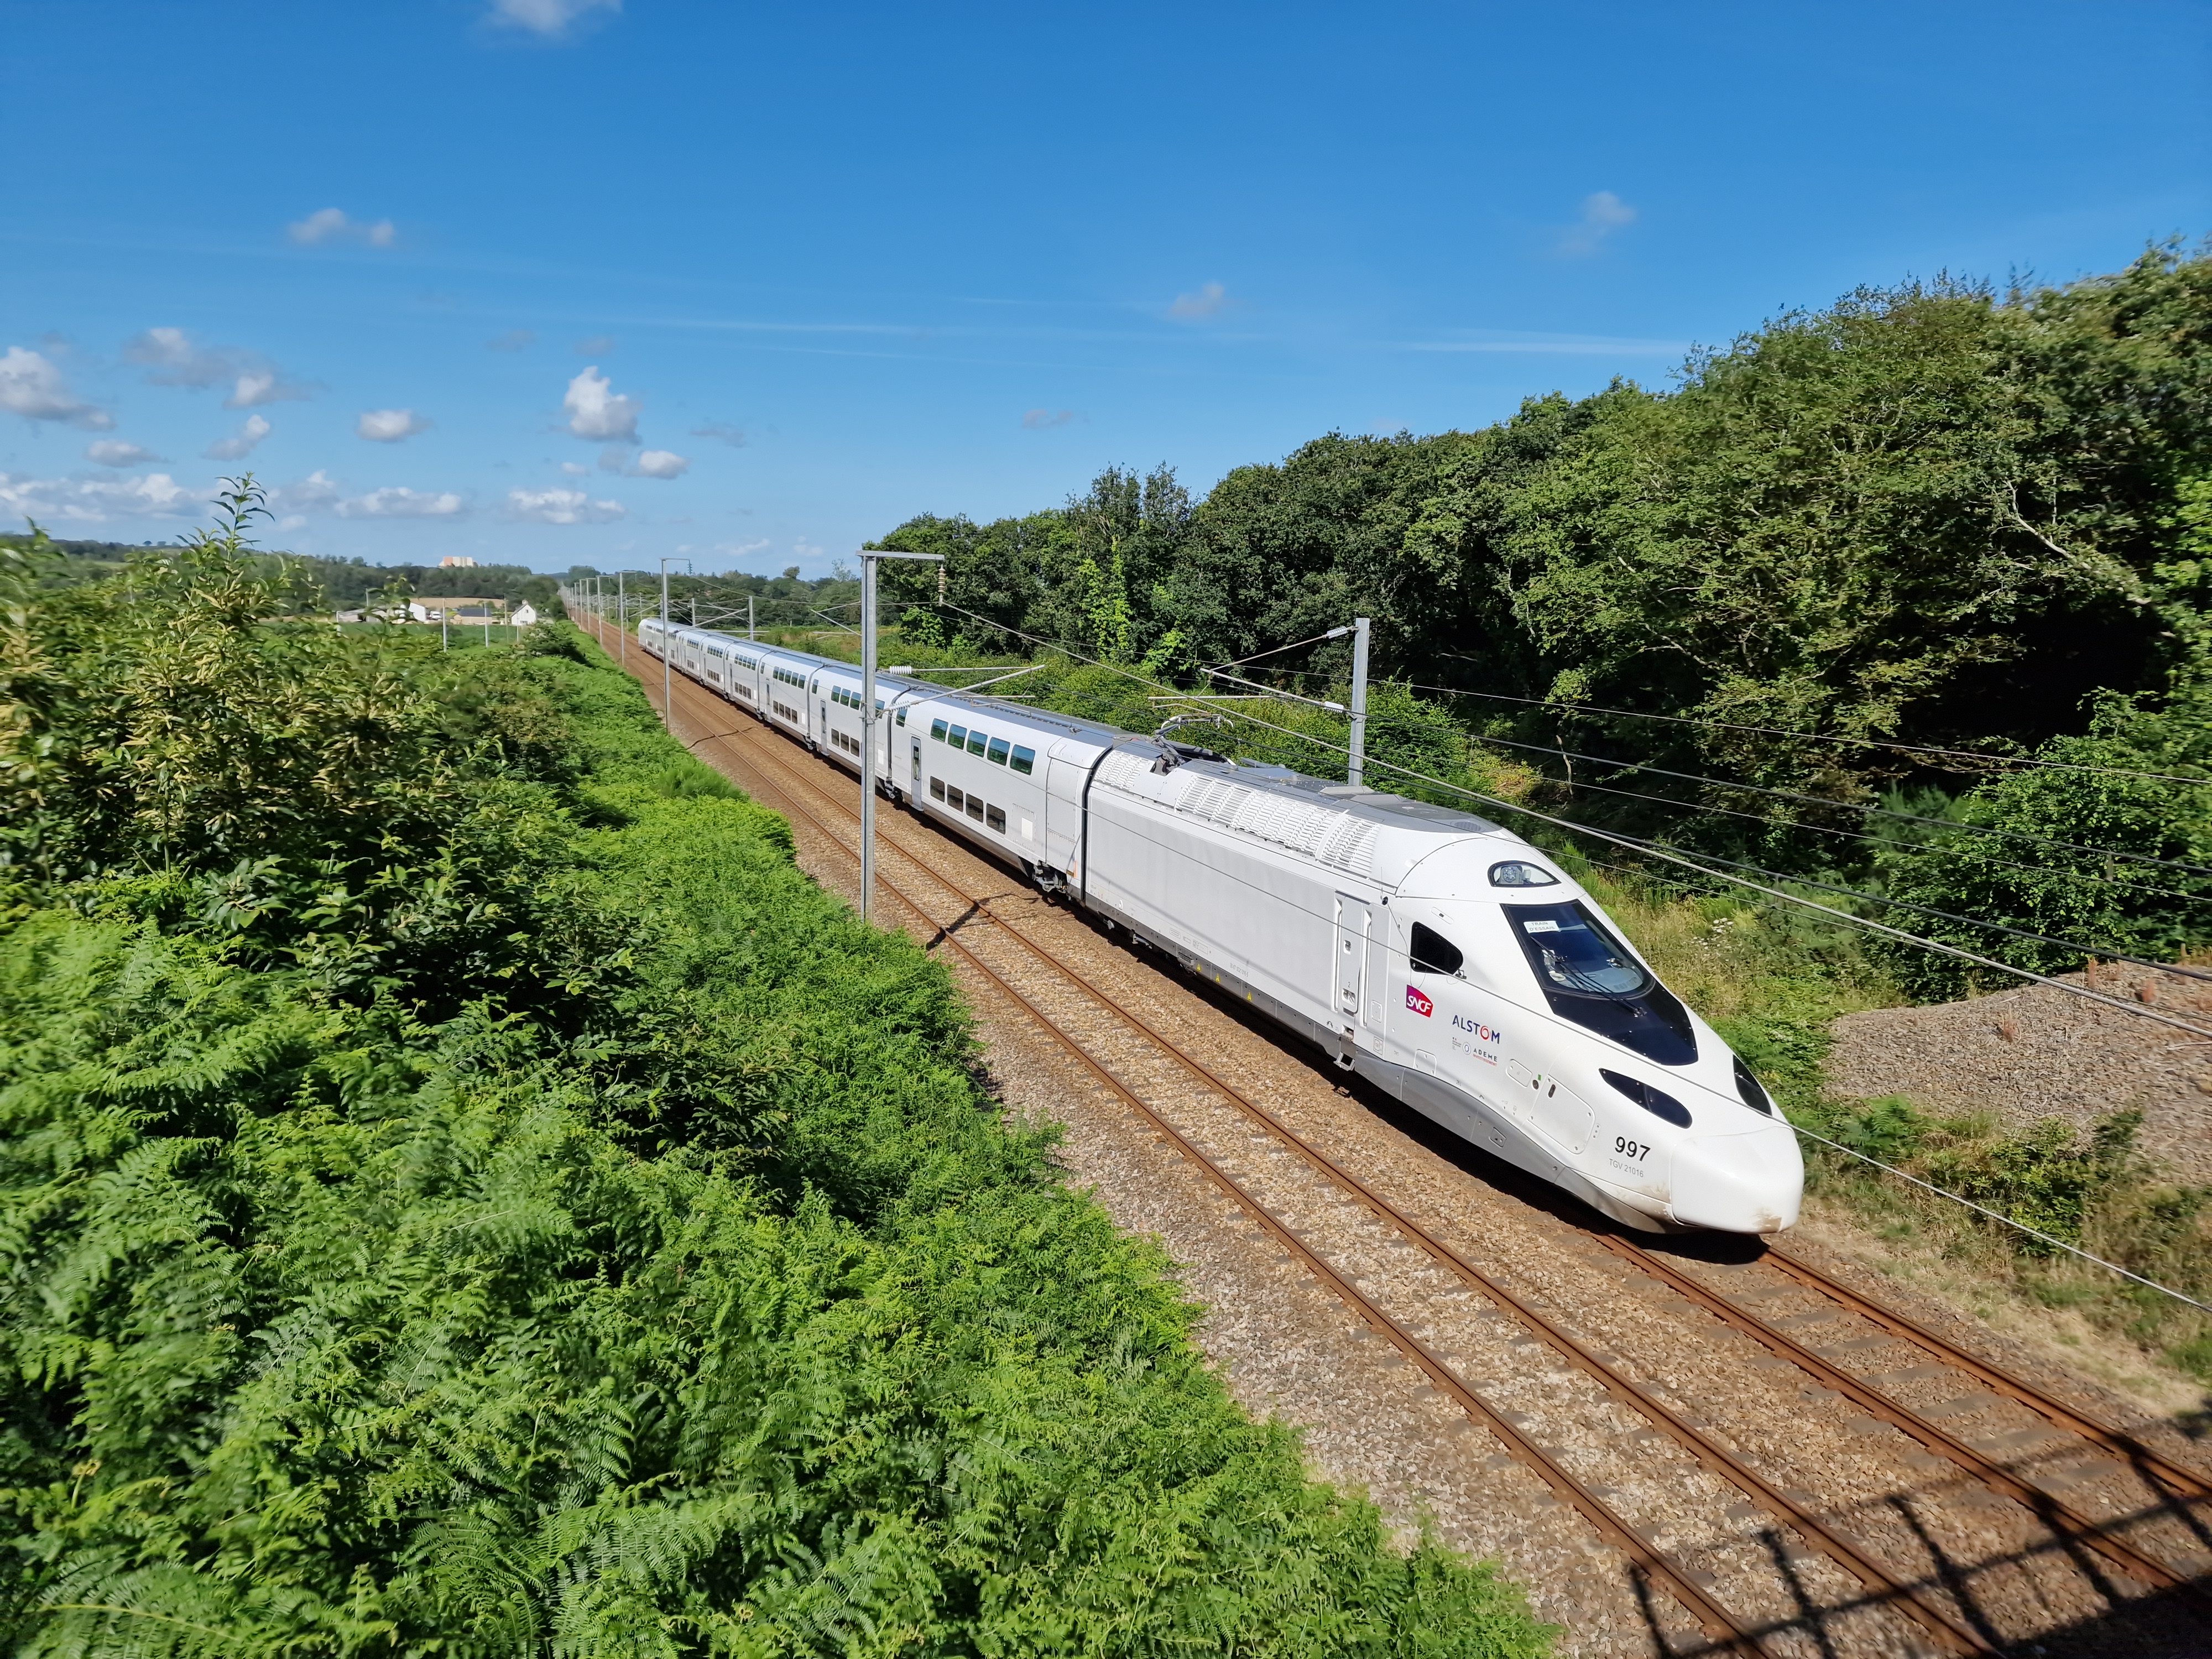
(982, 774)
(1264, 916)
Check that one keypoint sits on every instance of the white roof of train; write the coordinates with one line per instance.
(1306, 814)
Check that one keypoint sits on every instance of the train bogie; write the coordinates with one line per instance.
(1455, 966)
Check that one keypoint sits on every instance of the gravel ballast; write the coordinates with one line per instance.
(2038, 1052)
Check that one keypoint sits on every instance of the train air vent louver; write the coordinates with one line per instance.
(1351, 845)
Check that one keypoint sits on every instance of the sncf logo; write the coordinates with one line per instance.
(1419, 1002)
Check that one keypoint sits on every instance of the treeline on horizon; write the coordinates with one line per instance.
(784, 600)
(1935, 514)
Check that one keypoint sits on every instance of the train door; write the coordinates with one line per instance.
(1355, 922)
(1069, 766)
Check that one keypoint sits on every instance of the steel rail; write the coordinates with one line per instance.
(2058, 1517)
(1953, 1633)
(1718, 1623)
(2181, 1482)
(2055, 1513)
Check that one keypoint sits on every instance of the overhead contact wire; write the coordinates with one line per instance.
(2060, 1518)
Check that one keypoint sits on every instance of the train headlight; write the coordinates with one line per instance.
(1657, 1102)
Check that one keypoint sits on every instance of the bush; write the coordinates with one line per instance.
(689, 1297)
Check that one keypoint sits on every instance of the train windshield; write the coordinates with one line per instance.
(1590, 977)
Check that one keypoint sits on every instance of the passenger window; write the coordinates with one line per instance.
(954, 799)
(902, 717)
(998, 751)
(1024, 760)
(975, 742)
(937, 788)
(994, 817)
(937, 730)
(975, 807)
(957, 737)
(1432, 953)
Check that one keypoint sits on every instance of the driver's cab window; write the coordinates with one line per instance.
(1432, 953)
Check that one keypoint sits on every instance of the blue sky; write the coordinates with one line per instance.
(556, 282)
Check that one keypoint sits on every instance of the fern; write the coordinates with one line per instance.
(662, 1285)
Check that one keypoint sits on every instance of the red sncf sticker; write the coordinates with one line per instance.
(1418, 1002)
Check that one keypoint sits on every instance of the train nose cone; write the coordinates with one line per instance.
(1748, 1181)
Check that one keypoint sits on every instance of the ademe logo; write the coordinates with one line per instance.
(1419, 1002)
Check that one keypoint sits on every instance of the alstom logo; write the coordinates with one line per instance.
(1419, 1002)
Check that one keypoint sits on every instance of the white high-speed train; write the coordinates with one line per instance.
(1435, 953)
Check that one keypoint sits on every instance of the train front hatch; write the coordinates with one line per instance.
(1353, 921)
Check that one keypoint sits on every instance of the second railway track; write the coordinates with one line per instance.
(1781, 1575)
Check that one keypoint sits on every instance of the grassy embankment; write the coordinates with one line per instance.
(1771, 979)
(498, 1203)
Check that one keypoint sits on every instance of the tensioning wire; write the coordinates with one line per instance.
(2111, 952)
(1808, 736)
(1930, 910)
(1823, 801)
(1688, 863)
(1952, 849)
(1956, 1198)
(1860, 921)
(2141, 1011)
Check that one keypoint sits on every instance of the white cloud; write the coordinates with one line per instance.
(722, 433)
(549, 18)
(739, 550)
(613, 459)
(560, 506)
(95, 501)
(398, 501)
(171, 357)
(515, 339)
(595, 412)
(598, 346)
(240, 443)
(1603, 213)
(660, 463)
(312, 494)
(390, 426)
(1037, 420)
(1210, 300)
(31, 386)
(263, 385)
(113, 452)
(575, 469)
(331, 224)
(292, 521)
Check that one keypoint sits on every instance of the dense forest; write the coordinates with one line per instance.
(464, 1191)
(1734, 616)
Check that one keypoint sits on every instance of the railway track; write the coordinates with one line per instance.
(1936, 1614)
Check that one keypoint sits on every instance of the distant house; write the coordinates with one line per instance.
(456, 562)
(457, 613)
(436, 608)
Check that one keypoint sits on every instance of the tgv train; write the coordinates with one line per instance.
(1437, 955)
